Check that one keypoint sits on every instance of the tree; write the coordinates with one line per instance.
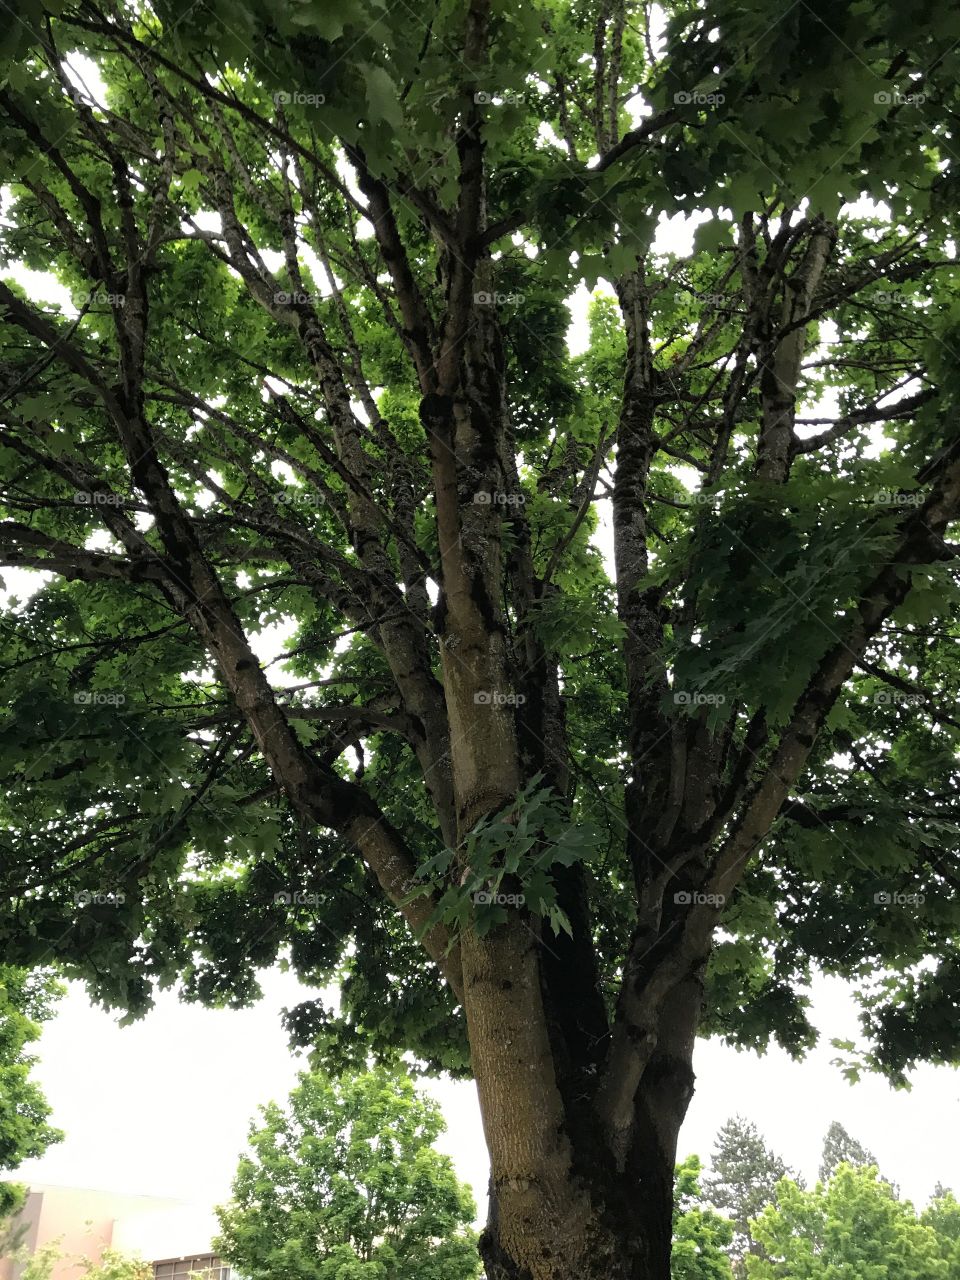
(13, 1231)
(345, 1184)
(743, 1177)
(852, 1228)
(840, 1148)
(701, 1237)
(112, 1265)
(942, 1215)
(544, 817)
(26, 1001)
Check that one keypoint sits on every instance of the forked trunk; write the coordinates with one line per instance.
(570, 1197)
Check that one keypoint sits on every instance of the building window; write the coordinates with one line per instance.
(204, 1267)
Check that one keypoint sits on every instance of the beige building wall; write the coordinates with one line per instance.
(81, 1221)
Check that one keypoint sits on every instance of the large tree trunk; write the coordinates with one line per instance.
(565, 1201)
(622, 1245)
(581, 1124)
(597, 1224)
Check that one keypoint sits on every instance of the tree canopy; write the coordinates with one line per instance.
(752, 585)
(852, 1228)
(701, 1236)
(840, 1148)
(744, 1173)
(44, 1261)
(852, 1225)
(26, 1002)
(344, 1183)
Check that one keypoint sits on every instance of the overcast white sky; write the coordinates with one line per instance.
(162, 1107)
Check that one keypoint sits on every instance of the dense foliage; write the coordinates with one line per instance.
(744, 1173)
(46, 1261)
(96, 658)
(839, 1147)
(343, 1183)
(26, 1002)
(701, 1236)
(854, 1228)
(852, 1225)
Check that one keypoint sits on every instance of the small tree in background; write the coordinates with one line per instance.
(942, 1214)
(345, 1184)
(26, 1001)
(742, 1181)
(12, 1229)
(851, 1228)
(113, 1265)
(840, 1148)
(701, 1237)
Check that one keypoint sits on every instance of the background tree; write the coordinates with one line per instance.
(12, 1229)
(344, 1184)
(26, 1002)
(45, 1260)
(543, 816)
(743, 1177)
(942, 1215)
(852, 1228)
(840, 1148)
(115, 1265)
(701, 1237)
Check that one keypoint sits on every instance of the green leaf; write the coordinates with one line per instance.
(383, 98)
